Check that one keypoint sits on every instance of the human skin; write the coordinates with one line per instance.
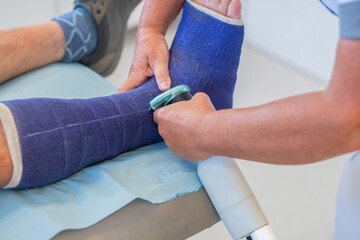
(28, 48)
(6, 167)
(151, 51)
(296, 130)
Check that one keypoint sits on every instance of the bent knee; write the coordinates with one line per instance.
(6, 167)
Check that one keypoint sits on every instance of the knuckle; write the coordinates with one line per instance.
(157, 59)
(136, 68)
(133, 70)
(204, 96)
(200, 95)
(153, 60)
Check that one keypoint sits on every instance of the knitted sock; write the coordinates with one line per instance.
(81, 34)
(50, 139)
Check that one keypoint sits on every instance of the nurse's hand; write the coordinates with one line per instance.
(181, 124)
(151, 58)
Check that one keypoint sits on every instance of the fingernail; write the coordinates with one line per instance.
(164, 86)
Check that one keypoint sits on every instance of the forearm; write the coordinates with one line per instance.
(159, 14)
(6, 167)
(296, 130)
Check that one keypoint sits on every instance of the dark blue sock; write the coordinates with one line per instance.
(81, 34)
(59, 137)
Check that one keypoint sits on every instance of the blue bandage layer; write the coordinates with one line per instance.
(81, 34)
(59, 137)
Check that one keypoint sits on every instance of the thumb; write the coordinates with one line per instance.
(161, 72)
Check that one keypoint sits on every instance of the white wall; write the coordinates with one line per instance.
(19, 13)
(300, 33)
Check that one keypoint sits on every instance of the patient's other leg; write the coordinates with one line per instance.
(6, 167)
(57, 137)
(68, 38)
(24, 49)
(92, 33)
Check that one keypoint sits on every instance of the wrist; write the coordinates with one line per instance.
(203, 142)
(148, 33)
(159, 14)
(151, 29)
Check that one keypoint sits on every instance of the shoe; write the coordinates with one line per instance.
(111, 17)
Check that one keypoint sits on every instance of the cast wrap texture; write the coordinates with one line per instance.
(59, 137)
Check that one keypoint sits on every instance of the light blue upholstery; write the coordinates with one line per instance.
(61, 80)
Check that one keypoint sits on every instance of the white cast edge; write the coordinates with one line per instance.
(237, 22)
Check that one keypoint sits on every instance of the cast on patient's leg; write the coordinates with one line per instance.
(50, 139)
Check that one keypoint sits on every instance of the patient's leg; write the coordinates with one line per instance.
(68, 38)
(92, 33)
(6, 167)
(24, 49)
(55, 138)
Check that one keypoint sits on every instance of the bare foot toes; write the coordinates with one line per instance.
(229, 8)
(234, 9)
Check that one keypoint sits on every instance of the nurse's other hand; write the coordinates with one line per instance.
(180, 124)
(151, 58)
